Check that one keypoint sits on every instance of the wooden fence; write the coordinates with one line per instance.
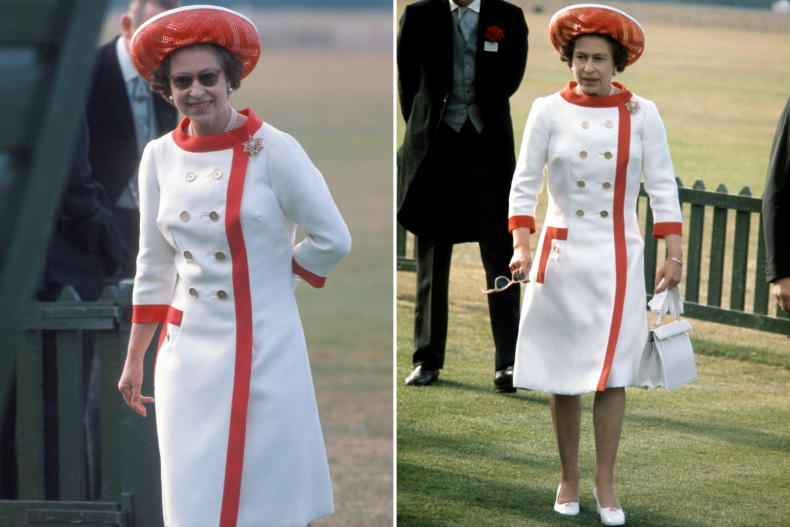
(696, 202)
(131, 489)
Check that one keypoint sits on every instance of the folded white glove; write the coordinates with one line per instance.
(668, 300)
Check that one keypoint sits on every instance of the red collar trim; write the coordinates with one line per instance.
(609, 101)
(215, 143)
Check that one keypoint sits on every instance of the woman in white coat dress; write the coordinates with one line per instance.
(583, 322)
(221, 196)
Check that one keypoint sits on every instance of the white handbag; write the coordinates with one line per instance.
(668, 358)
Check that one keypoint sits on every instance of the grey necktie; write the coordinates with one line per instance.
(140, 108)
(464, 22)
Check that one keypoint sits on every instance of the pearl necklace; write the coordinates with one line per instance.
(228, 128)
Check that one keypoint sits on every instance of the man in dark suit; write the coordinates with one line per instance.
(458, 64)
(776, 212)
(123, 115)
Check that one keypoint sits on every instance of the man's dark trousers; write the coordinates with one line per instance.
(475, 186)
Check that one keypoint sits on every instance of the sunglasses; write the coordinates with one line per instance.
(207, 79)
(503, 282)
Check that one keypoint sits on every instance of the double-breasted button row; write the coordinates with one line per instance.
(213, 216)
(604, 213)
(219, 255)
(221, 294)
(582, 184)
(583, 154)
(608, 124)
(216, 174)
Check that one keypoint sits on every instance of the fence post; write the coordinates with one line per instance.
(139, 448)
(740, 256)
(112, 349)
(29, 418)
(718, 239)
(694, 260)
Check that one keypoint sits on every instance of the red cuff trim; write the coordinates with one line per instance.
(668, 227)
(521, 221)
(312, 279)
(150, 313)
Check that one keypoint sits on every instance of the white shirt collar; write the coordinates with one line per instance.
(125, 61)
(474, 6)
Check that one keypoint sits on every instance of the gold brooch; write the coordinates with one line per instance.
(632, 106)
(252, 146)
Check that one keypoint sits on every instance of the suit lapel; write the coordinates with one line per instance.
(484, 21)
(444, 24)
(162, 111)
(113, 91)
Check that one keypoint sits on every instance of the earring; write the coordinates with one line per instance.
(170, 97)
(230, 90)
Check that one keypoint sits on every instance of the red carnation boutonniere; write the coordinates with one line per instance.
(493, 35)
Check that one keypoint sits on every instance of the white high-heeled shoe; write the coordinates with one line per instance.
(609, 515)
(568, 509)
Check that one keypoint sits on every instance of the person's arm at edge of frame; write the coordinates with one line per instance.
(776, 212)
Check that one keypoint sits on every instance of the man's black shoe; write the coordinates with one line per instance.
(423, 377)
(503, 381)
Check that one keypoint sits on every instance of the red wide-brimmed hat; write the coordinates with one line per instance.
(197, 24)
(586, 19)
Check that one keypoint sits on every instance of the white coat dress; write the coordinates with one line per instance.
(583, 320)
(239, 435)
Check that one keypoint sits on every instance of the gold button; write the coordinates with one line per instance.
(222, 295)
(216, 174)
(193, 292)
(580, 213)
(609, 124)
(184, 215)
(604, 214)
(219, 255)
(580, 184)
(607, 185)
(213, 216)
(583, 154)
(187, 255)
(585, 124)
(191, 176)
(556, 249)
(607, 155)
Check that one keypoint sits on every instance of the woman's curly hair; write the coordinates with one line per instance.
(619, 54)
(231, 65)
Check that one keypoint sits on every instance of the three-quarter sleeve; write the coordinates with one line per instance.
(156, 271)
(528, 177)
(659, 175)
(304, 197)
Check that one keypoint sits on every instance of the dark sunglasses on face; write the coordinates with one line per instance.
(207, 79)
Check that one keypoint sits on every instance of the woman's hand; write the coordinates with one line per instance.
(671, 272)
(522, 257)
(132, 377)
(130, 384)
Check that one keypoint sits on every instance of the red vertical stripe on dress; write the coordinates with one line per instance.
(620, 252)
(243, 304)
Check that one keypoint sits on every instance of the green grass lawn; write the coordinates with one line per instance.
(715, 452)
